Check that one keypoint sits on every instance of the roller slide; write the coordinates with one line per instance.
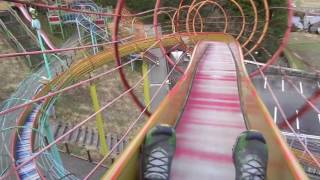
(211, 120)
(23, 148)
(210, 106)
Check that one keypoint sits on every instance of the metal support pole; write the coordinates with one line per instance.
(79, 32)
(132, 66)
(104, 149)
(146, 84)
(54, 149)
(61, 27)
(60, 17)
(99, 120)
(45, 58)
(50, 138)
(50, 25)
(94, 41)
(36, 25)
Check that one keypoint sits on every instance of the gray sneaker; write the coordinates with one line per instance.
(250, 156)
(158, 151)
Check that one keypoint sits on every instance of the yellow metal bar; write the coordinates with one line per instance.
(99, 120)
(146, 85)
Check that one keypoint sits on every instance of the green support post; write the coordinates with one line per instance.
(94, 42)
(35, 23)
(46, 62)
(54, 148)
(37, 26)
(58, 2)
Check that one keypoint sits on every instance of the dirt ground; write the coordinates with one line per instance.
(12, 71)
(76, 105)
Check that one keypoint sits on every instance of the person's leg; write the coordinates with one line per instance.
(158, 151)
(250, 156)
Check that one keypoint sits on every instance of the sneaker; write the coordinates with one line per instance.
(158, 151)
(250, 156)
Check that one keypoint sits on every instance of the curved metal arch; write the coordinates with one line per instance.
(176, 17)
(265, 28)
(170, 17)
(255, 25)
(194, 4)
(243, 18)
(201, 4)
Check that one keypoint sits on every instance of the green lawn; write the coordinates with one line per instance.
(294, 61)
(303, 48)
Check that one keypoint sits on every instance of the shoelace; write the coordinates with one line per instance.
(158, 163)
(253, 170)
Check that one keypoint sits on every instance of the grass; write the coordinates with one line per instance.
(303, 50)
(294, 61)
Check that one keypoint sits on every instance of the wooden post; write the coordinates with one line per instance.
(89, 156)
